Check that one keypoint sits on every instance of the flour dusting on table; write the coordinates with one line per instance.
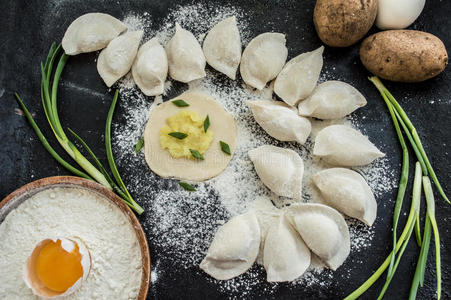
(182, 224)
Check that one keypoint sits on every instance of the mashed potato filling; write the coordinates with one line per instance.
(190, 123)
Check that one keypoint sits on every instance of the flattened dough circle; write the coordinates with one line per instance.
(222, 124)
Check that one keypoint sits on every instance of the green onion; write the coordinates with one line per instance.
(139, 144)
(405, 233)
(187, 186)
(196, 154)
(180, 103)
(178, 135)
(46, 144)
(49, 91)
(400, 120)
(416, 195)
(402, 181)
(225, 147)
(109, 152)
(206, 123)
(418, 277)
(415, 138)
(431, 212)
(50, 108)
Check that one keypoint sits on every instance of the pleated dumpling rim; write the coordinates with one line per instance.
(234, 248)
(338, 255)
(91, 32)
(285, 256)
(341, 145)
(359, 203)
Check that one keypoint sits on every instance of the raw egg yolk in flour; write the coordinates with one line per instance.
(57, 268)
(192, 125)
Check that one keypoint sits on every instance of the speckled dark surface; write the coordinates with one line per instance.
(26, 30)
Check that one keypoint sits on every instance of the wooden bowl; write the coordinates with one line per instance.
(20, 195)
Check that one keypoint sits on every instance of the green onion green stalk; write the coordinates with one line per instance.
(423, 169)
(49, 91)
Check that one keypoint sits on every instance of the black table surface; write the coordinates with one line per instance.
(27, 28)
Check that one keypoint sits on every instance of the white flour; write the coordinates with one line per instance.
(182, 224)
(72, 212)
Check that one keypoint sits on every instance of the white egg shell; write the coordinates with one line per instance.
(31, 279)
(398, 14)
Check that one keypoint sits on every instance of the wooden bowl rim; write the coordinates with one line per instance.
(110, 195)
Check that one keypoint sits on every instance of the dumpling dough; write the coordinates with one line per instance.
(285, 256)
(324, 230)
(185, 56)
(150, 68)
(263, 59)
(298, 77)
(91, 32)
(222, 47)
(332, 100)
(280, 169)
(343, 146)
(348, 192)
(222, 124)
(280, 121)
(117, 58)
(234, 248)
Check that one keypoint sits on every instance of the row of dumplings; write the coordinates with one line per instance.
(286, 245)
(282, 170)
(184, 59)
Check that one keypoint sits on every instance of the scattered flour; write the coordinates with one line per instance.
(182, 224)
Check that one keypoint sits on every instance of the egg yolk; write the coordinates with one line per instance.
(190, 123)
(58, 269)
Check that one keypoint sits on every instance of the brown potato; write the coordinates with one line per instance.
(341, 23)
(404, 55)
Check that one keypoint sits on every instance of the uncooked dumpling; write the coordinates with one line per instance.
(263, 59)
(222, 47)
(117, 58)
(185, 56)
(323, 230)
(280, 121)
(348, 192)
(280, 169)
(234, 248)
(151, 68)
(91, 32)
(343, 146)
(215, 160)
(298, 77)
(332, 100)
(285, 256)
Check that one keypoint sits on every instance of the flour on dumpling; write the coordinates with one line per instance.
(332, 100)
(234, 248)
(222, 47)
(263, 59)
(150, 68)
(117, 58)
(185, 56)
(341, 145)
(298, 77)
(348, 192)
(91, 32)
(280, 169)
(280, 121)
(323, 230)
(285, 256)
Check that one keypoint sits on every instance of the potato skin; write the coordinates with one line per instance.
(341, 23)
(404, 55)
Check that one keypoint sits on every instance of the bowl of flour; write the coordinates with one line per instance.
(72, 206)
